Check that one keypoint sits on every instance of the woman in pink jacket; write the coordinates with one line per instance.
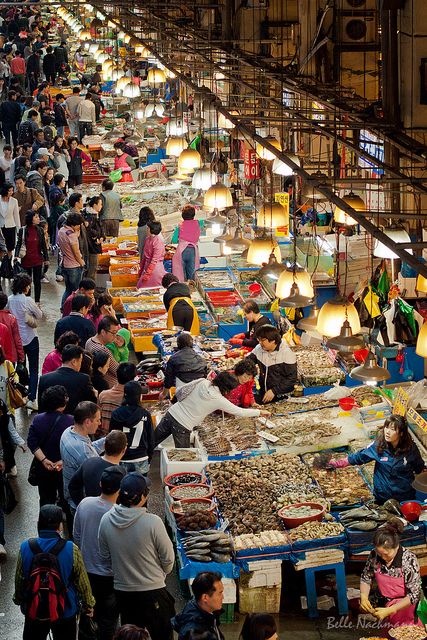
(152, 269)
(186, 259)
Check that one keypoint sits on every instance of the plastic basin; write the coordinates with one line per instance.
(360, 355)
(347, 404)
(172, 480)
(291, 523)
(411, 510)
(209, 491)
(193, 502)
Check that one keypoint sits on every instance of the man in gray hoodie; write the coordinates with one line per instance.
(141, 555)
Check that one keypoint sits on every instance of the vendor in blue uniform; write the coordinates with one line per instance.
(397, 461)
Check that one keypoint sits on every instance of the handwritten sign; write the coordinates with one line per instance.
(415, 417)
(401, 402)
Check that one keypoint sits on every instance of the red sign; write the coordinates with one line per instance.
(251, 165)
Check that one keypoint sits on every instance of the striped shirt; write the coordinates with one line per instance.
(92, 346)
(75, 449)
(108, 401)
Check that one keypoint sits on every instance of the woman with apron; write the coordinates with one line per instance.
(152, 269)
(178, 304)
(397, 574)
(124, 161)
(186, 259)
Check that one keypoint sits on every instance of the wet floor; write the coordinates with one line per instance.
(21, 524)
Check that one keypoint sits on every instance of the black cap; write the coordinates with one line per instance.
(111, 478)
(133, 486)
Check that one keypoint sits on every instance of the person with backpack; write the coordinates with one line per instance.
(33, 70)
(39, 141)
(27, 128)
(60, 113)
(10, 117)
(51, 581)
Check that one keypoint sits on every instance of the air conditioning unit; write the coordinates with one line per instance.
(358, 29)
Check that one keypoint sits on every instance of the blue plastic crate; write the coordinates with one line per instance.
(190, 569)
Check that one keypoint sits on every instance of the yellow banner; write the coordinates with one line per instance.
(400, 405)
(415, 417)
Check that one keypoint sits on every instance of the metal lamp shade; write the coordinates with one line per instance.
(218, 197)
(287, 279)
(369, 372)
(260, 250)
(333, 314)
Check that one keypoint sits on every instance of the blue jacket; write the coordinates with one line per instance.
(46, 541)
(393, 475)
(192, 617)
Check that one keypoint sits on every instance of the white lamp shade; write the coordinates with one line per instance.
(218, 196)
(354, 201)
(127, 38)
(152, 108)
(156, 76)
(264, 153)
(141, 50)
(84, 35)
(272, 215)
(286, 280)
(203, 179)
(280, 168)
(332, 316)
(122, 82)
(131, 91)
(176, 127)
(116, 74)
(341, 217)
(421, 348)
(189, 160)
(260, 250)
(175, 145)
(93, 48)
(397, 235)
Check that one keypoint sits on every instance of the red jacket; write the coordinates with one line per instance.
(6, 342)
(17, 350)
(242, 396)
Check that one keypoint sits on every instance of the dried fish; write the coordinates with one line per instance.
(315, 531)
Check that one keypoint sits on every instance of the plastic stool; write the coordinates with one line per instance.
(310, 585)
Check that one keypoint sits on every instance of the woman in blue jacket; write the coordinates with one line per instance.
(397, 461)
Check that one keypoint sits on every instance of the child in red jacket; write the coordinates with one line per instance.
(242, 396)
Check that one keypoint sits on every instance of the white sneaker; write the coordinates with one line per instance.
(32, 405)
(46, 279)
(59, 278)
(3, 553)
(13, 472)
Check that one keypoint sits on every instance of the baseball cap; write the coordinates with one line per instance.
(43, 152)
(133, 486)
(111, 478)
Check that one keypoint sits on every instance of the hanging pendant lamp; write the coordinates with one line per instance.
(346, 342)
(203, 179)
(398, 235)
(272, 215)
(421, 284)
(218, 197)
(354, 201)
(370, 372)
(296, 300)
(280, 168)
(238, 243)
(260, 250)
(334, 313)
(176, 127)
(421, 348)
(176, 145)
(85, 35)
(309, 324)
(189, 160)
(272, 269)
(131, 91)
(226, 236)
(156, 76)
(296, 275)
(266, 154)
(311, 193)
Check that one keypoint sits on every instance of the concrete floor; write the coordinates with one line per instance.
(21, 524)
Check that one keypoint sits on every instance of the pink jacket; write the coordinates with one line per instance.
(152, 269)
(17, 350)
(189, 230)
(52, 362)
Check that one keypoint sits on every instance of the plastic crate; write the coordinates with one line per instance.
(123, 279)
(256, 599)
(227, 615)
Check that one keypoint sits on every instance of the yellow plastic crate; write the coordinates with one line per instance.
(123, 279)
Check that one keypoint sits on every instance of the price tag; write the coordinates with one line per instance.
(268, 436)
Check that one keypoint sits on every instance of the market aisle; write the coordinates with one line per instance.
(21, 524)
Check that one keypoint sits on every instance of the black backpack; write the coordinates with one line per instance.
(45, 589)
(48, 134)
(25, 132)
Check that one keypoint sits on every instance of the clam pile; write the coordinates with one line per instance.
(308, 429)
(245, 489)
(315, 368)
(307, 403)
(215, 279)
(366, 396)
(292, 492)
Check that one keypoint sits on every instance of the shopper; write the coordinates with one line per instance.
(39, 143)
(10, 117)
(26, 198)
(103, 306)
(256, 321)
(8, 319)
(85, 532)
(95, 235)
(86, 115)
(141, 555)
(72, 259)
(71, 103)
(77, 321)
(184, 366)
(277, 365)
(86, 480)
(6, 161)
(397, 461)
(131, 632)
(113, 398)
(9, 216)
(31, 249)
(49, 65)
(124, 162)
(201, 614)
(26, 311)
(76, 445)
(152, 269)
(111, 214)
(60, 113)
(53, 360)
(195, 401)
(86, 287)
(243, 395)
(146, 215)
(178, 304)
(107, 330)
(100, 364)
(43, 440)
(35, 177)
(78, 385)
(63, 157)
(73, 577)
(78, 160)
(137, 424)
(186, 260)
(61, 55)
(259, 626)
(396, 573)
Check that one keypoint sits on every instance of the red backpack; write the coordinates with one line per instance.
(45, 591)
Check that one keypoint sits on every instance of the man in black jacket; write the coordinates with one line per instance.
(182, 313)
(61, 55)
(49, 65)
(183, 366)
(202, 613)
(78, 385)
(10, 117)
(77, 321)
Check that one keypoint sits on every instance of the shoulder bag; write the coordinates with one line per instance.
(16, 391)
(36, 465)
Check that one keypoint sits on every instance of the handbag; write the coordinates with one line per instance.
(36, 465)
(88, 629)
(6, 270)
(30, 320)
(7, 498)
(22, 373)
(16, 391)
(23, 249)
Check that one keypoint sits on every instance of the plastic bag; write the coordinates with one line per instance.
(6, 270)
(422, 609)
(115, 175)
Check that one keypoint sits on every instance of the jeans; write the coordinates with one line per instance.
(142, 467)
(73, 125)
(36, 273)
(8, 131)
(51, 488)
(167, 426)
(72, 279)
(2, 540)
(32, 352)
(63, 629)
(85, 128)
(60, 131)
(150, 609)
(92, 266)
(106, 609)
(188, 262)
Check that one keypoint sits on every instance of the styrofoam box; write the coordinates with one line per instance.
(173, 466)
(230, 590)
(267, 573)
